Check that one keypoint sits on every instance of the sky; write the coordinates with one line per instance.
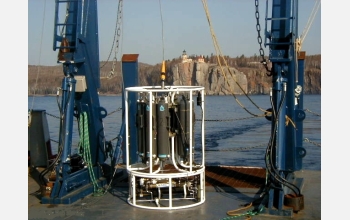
(150, 27)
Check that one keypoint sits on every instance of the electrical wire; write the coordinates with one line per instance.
(269, 152)
(161, 19)
(60, 147)
(40, 49)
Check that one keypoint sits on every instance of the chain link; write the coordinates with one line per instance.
(54, 141)
(233, 119)
(215, 120)
(237, 149)
(52, 115)
(258, 29)
(117, 110)
(232, 149)
(116, 39)
(312, 142)
(119, 20)
(116, 138)
(257, 146)
(312, 112)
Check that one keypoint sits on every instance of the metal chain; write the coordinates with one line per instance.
(119, 19)
(312, 112)
(237, 149)
(257, 146)
(54, 141)
(77, 145)
(115, 40)
(116, 138)
(233, 119)
(234, 149)
(258, 29)
(214, 120)
(312, 142)
(52, 115)
(101, 169)
(117, 110)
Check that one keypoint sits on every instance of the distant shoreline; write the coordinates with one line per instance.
(52, 95)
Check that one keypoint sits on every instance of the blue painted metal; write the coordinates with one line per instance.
(119, 152)
(130, 77)
(300, 114)
(79, 54)
(287, 77)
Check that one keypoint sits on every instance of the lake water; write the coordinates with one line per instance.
(232, 136)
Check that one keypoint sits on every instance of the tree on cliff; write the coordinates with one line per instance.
(44, 80)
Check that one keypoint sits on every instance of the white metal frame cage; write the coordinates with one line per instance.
(167, 183)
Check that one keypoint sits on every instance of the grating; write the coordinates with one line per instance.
(235, 177)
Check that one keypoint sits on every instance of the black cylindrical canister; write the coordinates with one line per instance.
(163, 129)
(151, 139)
(141, 129)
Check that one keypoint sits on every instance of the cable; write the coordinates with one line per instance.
(269, 153)
(233, 212)
(60, 147)
(41, 43)
(119, 156)
(310, 21)
(218, 55)
(161, 18)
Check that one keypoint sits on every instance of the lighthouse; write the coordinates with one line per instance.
(184, 57)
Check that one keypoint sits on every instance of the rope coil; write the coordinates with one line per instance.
(85, 149)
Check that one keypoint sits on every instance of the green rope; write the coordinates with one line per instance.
(85, 148)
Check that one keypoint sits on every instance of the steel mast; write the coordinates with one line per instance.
(285, 150)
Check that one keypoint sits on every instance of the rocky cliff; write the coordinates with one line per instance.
(244, 80)
(251, 79)
(210, 77)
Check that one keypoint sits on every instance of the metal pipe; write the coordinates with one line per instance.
(185, 193)
(203, 138)
(150, 133)
(190, 139)
(150, 192)
(126, 128)
(173, 156)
